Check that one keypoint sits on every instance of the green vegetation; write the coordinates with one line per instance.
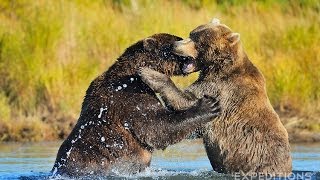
(51, 50)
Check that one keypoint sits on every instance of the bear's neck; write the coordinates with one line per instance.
(130, 83)
(122, 69)
(119, 78)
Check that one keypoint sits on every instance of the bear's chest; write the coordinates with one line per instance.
(226, 92)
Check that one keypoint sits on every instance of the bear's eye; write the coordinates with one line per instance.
(165, 51)
(165, 54)
(166, 48)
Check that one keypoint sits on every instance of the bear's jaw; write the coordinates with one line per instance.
(216, 71)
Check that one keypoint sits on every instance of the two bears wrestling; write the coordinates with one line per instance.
(122, 121)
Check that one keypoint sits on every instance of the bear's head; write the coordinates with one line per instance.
(155, 52)
(213, 46)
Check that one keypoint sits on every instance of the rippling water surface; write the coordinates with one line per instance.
(185, 160)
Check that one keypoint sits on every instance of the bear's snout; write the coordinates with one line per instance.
(186, 48)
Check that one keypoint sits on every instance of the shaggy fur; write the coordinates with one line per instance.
(248, 137)
(122, 121)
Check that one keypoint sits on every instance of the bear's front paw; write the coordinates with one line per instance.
(209, 106)
(153, 79)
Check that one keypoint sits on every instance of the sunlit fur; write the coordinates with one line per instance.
(248, 137)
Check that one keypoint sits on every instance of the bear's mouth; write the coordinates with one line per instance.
(189, 67)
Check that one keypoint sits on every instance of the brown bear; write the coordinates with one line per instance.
(248, 137)
(122, 121)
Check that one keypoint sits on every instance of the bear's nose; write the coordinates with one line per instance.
(177, 44)
(184, 41)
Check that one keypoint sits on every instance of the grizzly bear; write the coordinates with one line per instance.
(122, 121)
(248, 137)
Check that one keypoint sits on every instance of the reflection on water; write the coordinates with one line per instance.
(185, 160)
(306, 157)
(18, 159)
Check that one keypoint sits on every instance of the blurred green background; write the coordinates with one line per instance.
(50, 50)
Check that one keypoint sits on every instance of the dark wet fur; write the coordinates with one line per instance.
(133, 123)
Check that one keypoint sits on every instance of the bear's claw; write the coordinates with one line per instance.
(210, 105)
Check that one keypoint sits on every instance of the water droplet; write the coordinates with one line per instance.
(101, 111)
(126, 126)
(68, 153)
(102, 139)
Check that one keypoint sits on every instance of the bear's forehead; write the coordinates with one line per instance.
(164, 38)
(217, 30)
(199, 28)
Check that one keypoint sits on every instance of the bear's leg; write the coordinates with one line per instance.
(173, 97)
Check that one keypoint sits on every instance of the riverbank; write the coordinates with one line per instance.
(300, 129)
(50, 51)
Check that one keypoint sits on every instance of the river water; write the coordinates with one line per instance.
(185, 160)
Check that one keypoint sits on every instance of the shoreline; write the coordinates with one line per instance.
(300, 128)
(304, 137)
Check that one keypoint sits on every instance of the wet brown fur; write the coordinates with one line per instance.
(248, 137)
(118, 129)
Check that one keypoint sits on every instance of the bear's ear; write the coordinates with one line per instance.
(215, 21)
(150, 44)
(233, 38)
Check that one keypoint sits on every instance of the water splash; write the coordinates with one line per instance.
(101, 111)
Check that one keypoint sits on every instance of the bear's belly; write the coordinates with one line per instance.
(242, 147)
(231, 148)
(213, 140)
